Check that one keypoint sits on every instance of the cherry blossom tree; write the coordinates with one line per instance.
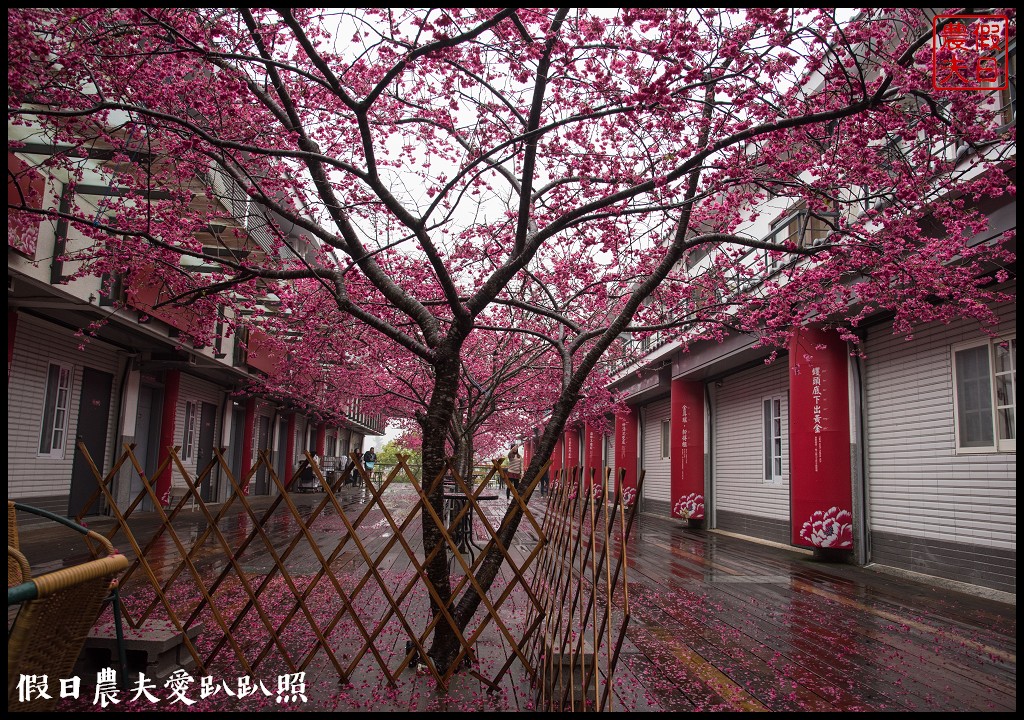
(500, 196)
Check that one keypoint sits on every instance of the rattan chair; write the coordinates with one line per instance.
(57, 611)
(17, 565)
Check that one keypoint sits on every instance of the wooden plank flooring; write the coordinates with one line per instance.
(718, 623)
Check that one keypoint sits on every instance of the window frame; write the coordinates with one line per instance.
(1007, 98)
(55, 453)
(998, 446)
(786, 229)
(797, 224)
(768, 437)
(820, 222)
(188, 439)
(666, 439)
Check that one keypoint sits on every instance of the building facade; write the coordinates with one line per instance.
(84, 369)
(897, 452)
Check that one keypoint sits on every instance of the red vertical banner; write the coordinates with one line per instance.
(172, 389)
(289, 449)
(556, 462)
(572, 448)
(687, 449)
(820, 490)
(321, 439)
(592, 465)
(571, 443)
(248, 433)
(626, 438)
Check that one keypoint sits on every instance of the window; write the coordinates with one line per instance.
(190, 431)
(892, 158)
(816, 227)
(985, 396)
(772, 408)
(1008, 97)
(786, 231)
(241, 355)
(56, 405)
(695, 255)
(802, 228)
(666, 439)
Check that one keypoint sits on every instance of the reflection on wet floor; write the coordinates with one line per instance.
(718, 623)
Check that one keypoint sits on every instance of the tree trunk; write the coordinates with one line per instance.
(435, 425)
(446, 646)
(465, 459)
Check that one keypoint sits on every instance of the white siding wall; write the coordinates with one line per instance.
(917, 484)
(36, 345)
(609, 450)
(265, 410)
(657, 470)
(301, 445)
(738, 483)
(196, 391)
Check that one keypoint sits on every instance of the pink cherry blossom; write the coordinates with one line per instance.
(470, 224)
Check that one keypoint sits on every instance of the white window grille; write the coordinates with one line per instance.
(985, 396)
(56, 407)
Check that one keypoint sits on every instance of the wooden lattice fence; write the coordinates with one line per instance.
(272, 583)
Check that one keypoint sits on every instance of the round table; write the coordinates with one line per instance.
(462, 533)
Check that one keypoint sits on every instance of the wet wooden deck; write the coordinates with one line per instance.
(729, 624)
(718, 623)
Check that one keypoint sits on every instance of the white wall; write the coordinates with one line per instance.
(917, 484)
(657, 470)
(738, 465)
(198, 391)
(37, 344)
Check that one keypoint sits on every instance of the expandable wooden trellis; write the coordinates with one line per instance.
(582, 579)
(278, 611)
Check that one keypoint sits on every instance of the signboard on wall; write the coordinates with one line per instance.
(626, 435)
(687, 449)
(25, 187)
(592, 442)
(821, 490)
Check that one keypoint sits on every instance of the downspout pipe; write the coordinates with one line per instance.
(859, 458)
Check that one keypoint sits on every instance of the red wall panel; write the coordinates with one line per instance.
(626, 437)
(687, 452)
(821, 491)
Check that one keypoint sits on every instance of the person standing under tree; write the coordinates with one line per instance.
(369, 460)
(515, 470)
(351, 473)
